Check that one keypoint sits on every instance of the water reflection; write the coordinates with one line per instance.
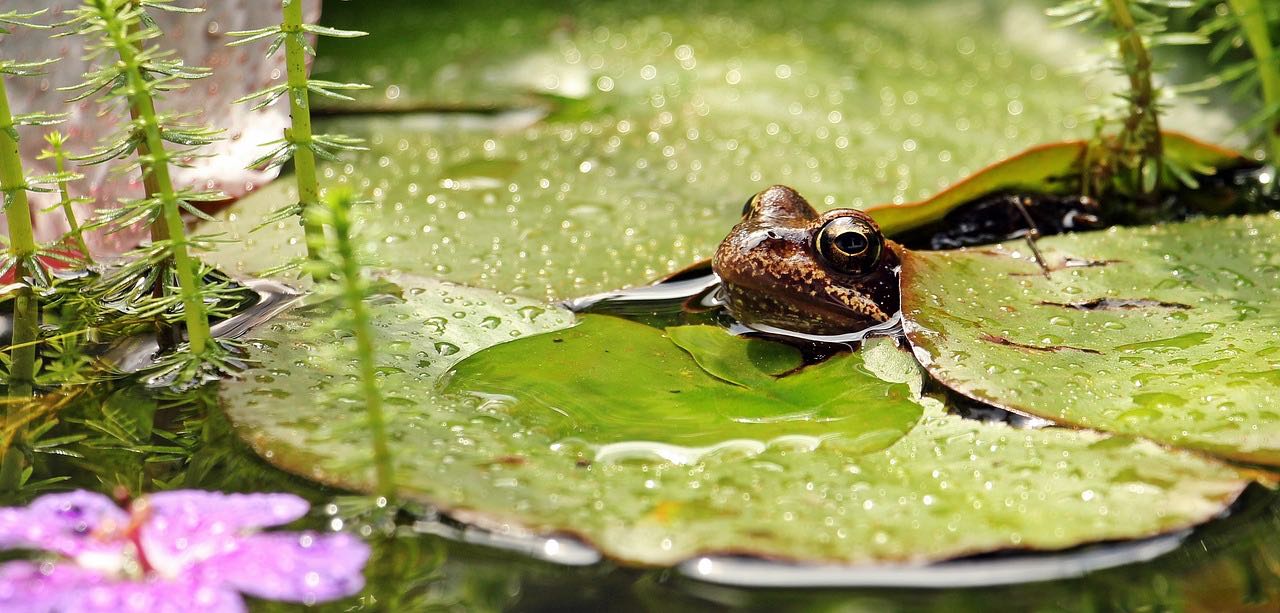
(1232, 565)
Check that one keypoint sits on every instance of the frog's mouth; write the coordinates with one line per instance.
(816, 315)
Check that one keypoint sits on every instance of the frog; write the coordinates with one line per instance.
(786, 266)
(789, 272)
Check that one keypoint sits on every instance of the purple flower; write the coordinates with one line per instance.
(172, 551)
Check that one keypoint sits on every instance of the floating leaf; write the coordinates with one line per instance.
(609, 381)
(1167, 333)
(853, 104)
(1043, 168)
(744, 362)
(567, 437)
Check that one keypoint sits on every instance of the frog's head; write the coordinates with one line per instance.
(785, 265)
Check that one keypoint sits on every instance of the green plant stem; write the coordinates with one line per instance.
(1142, 126)
(158, 167)
(77, 234)
(149, 186)
(1253, 22)
(353, 295)
(158, 231)
(22, 240)
(300, 134)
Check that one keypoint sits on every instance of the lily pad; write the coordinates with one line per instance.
(680, 111)
(582, 383)
(536, 459)
(853, 104)
(1043, 168)
(745, 363)
(1167, 333)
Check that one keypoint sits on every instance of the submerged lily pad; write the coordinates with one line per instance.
(517, 454)
(610, 381)
(1168, 333)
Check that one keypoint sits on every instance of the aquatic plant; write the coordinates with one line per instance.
(1249, 24)
(339, 262)
(176, 550)
(1135, 154)
(22, 255)
(142, 73)
(299, 143)
(59, 155)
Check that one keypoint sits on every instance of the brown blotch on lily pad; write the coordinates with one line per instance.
(1113, 304)
(1000, 340)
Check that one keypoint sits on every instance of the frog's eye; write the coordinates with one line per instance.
(850, 245)
(746, 208)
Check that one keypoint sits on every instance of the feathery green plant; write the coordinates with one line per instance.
(1249, 24)
(140, 74)
(1136, 152)
(339, 262)
(299, 142)
(58, 154)
(21, 256)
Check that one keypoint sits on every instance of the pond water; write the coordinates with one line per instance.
(538, 155)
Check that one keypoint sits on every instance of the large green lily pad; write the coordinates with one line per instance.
(583, 455)
(1169, 333)
(853, 104)
(666, 116)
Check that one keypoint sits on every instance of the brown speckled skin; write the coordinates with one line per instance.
(772, 273)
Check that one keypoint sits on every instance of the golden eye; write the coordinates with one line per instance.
(850, 245)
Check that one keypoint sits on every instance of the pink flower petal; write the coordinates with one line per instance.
(42, 586)
(201, 547)
(298, 567)
(185, 527)
(156, 596)
(63, 587)
(71, 524)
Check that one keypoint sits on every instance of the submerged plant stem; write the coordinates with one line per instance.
(300, 134)
(22, 240)
(1253, 23)
(156, 164)
(59, 156)
(353, 294)
(1140, 140)
(158, 230)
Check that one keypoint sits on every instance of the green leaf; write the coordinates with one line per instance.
(320, 30)
(743, 362)
(246, 37)
(168, 6)
(616, 379)
(1166, 333)
(617, 190)
(576, 430)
